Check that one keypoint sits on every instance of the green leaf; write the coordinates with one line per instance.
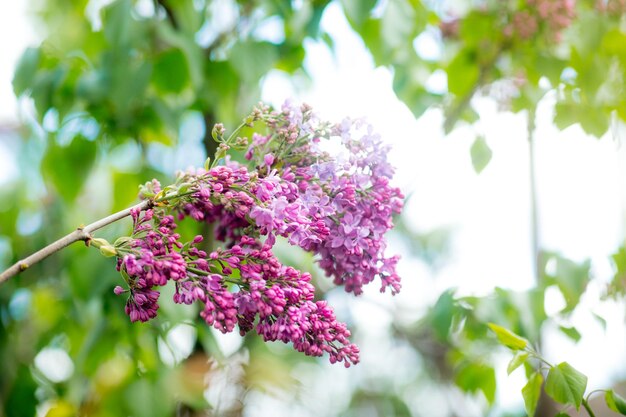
(614, 43)
(508, 338)
(188, 18)
(570, 332)
(357, 11)
(518, 359)
(477, 29)
(252, 60)
(550, 67)
(476, 377)
(45, 87)
(370, 33)
(601, 320)
(463, 74)
(117, 21)
(572, 279)
(481, 154)
(442, 314)
(401, 22)
(290, 58)
(67, 168)
(171, 73)
(593, 119)
(566, 385)
(565, 115)
(562, 414)
(26, 70)
(189, 47)
(21, 400)
(615, 402)
(531, 393)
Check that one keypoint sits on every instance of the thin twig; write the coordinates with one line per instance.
(80, 234)
(588, 408)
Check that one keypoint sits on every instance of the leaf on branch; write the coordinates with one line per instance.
(508, 338)
(531, 393)
(566, 385)
(481, 154)
(615, 402)
(476, 377)
(517, 361)
(571, 332)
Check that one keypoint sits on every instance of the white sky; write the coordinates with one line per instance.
(580, 180)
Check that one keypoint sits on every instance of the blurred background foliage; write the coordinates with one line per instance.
(124, 90)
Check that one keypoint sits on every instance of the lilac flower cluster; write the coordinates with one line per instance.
(348, 199)
(336, 208)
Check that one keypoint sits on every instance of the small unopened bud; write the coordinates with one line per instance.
(221, 151)
(98, 242)
(118, 290)
(218, 132)
(207, 163)
(108, 251)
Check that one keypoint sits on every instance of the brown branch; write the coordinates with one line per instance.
(80, 234)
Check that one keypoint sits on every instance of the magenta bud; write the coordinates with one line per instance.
(269, 159)
(198, 239)
(118, 290)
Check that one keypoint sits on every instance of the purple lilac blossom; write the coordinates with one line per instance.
(336, 208)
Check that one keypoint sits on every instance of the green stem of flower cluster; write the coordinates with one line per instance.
(227, 142)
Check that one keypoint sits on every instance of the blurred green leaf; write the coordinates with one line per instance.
(192, 51)
(476, 29)
(475, 377)
(26, 70)
(571, 278)
(252, 59)
(518, 359)
(142, 402)
(615, 402)
(532, 392)
(442, 314)
(171, 73)
(117, 22)
(21, 400)
(481, 154)
(571, 332)
(358, 11)
(67, 168)
(463, 74)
